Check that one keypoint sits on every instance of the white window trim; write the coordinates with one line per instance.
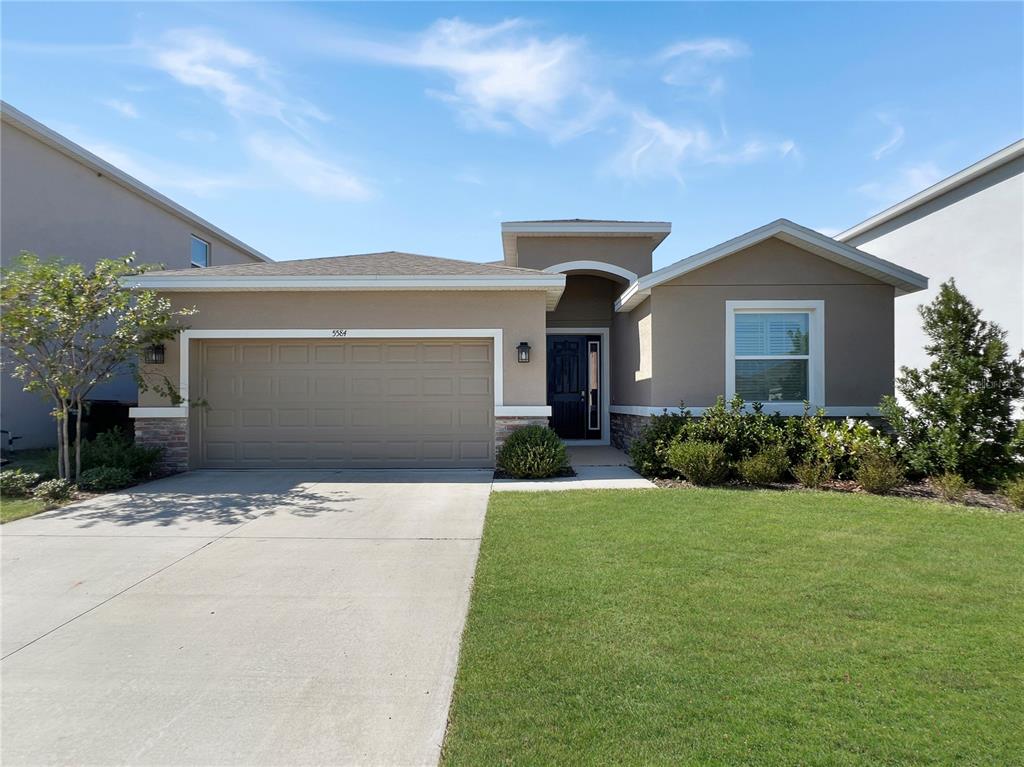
(209, 250)
(606, 381)
(816, 349)
(495, 334)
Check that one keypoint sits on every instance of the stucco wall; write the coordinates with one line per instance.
(520, 314)
(632, 253)
(631, 359)
(974, 233)
(689, 324)
(586, 303)
(56, 207)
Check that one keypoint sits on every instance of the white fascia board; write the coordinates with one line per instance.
(553, 285)
(156, 281)
(158, 412)
(980, 168)
(523, 411)
(67, 147)
(588, 227)
(789, 409)
(903, 279)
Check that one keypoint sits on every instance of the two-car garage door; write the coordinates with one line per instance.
(348, 403)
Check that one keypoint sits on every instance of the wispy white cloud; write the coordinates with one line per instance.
(163, 175)
(657, 149)
(500, 75)
(243, 81)
(694, 63)
(123, 108)
(906, 183)
(303, 169)
(896, 133)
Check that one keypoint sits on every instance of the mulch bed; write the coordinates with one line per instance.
(916, 491)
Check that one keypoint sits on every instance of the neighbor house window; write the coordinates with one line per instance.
(200, 252)
(775, 352)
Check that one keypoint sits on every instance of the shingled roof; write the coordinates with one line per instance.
(369, 271)
(390, 263)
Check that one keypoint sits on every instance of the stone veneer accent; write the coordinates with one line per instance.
(626, 428)
(170, 435)
(506, 424)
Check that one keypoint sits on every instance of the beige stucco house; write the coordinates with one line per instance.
(60, 200)
(969, 226)
(393, 359)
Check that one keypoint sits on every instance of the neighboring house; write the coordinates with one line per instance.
(394, 359)
(59, 200)
(969, 226)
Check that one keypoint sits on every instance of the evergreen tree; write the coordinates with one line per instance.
(960, 417)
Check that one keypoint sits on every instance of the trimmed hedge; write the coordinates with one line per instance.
(533, 452)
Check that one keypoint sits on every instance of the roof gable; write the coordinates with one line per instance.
(904, 280)
(948, 184)
(21, 121)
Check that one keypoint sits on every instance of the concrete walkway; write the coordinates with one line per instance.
(250, 618)
(598, 467)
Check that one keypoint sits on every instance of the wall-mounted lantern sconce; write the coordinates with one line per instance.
(523, 351)
(154, 355)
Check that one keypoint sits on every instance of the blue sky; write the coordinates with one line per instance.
(324, 129)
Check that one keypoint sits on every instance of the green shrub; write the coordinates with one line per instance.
(741, 429)
(115, 448)
(878, 472)
(959, 412)
(649, 451)
(53, 490)
(702, 463)
(763, 468)
(1014, 490)
(104, 478)
(533, 452)
(15, 483)
(950, 486)
(813, 473)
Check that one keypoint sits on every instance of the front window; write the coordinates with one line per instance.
(774, 352)
(771, 357)
(200, 252)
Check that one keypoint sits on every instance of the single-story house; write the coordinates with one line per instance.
(399, 360)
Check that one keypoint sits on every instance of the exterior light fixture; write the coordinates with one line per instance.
(523, 351)
(154, 355)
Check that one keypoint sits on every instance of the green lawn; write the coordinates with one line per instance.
(17, 508)
(742, 627)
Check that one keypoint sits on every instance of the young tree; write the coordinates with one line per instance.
(65, 330)
(960, 417)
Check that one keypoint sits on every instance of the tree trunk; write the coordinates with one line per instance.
(78, 439)
(60, 446)
(66, 440)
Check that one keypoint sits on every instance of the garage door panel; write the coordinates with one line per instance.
(345, 403)
(329, 353)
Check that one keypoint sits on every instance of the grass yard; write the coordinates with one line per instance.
(18, 508)
(742, 627)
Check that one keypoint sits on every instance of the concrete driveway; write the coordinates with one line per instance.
(277, 617)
